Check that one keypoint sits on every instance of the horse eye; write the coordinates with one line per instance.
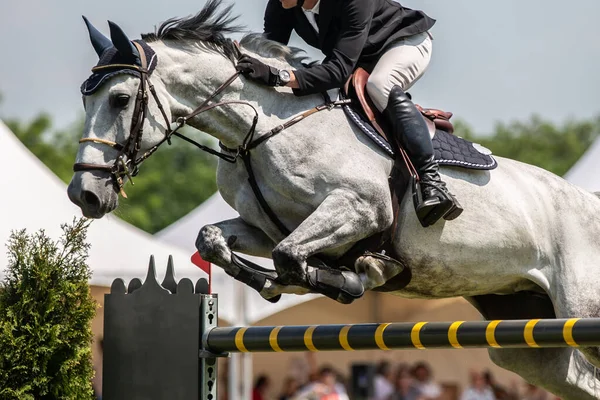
(119, 101)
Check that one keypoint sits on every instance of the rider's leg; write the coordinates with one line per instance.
(412, 134)
(403, 64)
(396, 71)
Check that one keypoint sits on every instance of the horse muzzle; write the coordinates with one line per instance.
(93, 193)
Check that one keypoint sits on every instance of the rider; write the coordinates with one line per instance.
(391, 42)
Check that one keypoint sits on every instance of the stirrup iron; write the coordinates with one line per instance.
(429, 215)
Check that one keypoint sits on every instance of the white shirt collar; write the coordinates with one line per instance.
(315, 9)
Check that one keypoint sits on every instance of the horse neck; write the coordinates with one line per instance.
(191, 74)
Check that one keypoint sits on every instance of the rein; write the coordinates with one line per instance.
(127, 162)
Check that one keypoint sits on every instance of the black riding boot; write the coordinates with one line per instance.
(411, 133)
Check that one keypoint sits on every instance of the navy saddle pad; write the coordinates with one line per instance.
(448, 148)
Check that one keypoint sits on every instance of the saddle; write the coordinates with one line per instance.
(449, 149)
(356, 87)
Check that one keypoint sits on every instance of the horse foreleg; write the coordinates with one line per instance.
(342, 219)
(216, 244)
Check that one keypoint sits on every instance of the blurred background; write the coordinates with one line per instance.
(520, 77)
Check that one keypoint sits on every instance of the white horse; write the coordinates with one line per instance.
(526, 246)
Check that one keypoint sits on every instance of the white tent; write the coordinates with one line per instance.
(183, 233)
(586, 171)
(33, 198)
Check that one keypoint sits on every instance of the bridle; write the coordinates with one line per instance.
(128, 159)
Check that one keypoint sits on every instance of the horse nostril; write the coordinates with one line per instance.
(90, 199)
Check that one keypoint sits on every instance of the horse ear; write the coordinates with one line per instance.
(123, 44)
(99, 41)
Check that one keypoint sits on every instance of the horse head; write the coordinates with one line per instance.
(123, 122)
(141, 91)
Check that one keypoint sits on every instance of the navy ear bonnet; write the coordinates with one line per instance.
(112, 56)
(117, 50)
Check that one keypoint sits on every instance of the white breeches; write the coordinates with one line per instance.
(402, 64)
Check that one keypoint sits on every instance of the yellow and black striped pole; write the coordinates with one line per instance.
(420, 335)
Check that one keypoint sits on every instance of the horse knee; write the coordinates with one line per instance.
(289, 263)
(211, 244)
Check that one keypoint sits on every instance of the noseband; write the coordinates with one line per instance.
(128, 158)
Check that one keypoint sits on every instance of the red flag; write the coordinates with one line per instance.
(204, 266)
(199, 262)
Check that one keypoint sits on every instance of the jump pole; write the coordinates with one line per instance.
(537, 333)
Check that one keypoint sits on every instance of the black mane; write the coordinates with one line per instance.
(210, 27)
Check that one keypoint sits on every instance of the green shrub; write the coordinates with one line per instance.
(46, 310)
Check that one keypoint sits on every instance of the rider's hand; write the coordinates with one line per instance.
(257, 70)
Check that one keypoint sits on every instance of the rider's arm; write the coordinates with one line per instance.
(336, 69)
(278, 22)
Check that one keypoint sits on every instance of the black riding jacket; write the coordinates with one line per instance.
(351, 33)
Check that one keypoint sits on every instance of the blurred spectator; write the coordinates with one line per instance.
(383, 386)
(261, 387)
(313, 369)
(479, 389)
(300, 367)
(404, 385)
(341, 383)
(424, 382)
(326, 387)
(500, 392)
(290, 387)
(533, 392)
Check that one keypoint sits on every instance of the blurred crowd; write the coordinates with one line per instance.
(393, 382)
